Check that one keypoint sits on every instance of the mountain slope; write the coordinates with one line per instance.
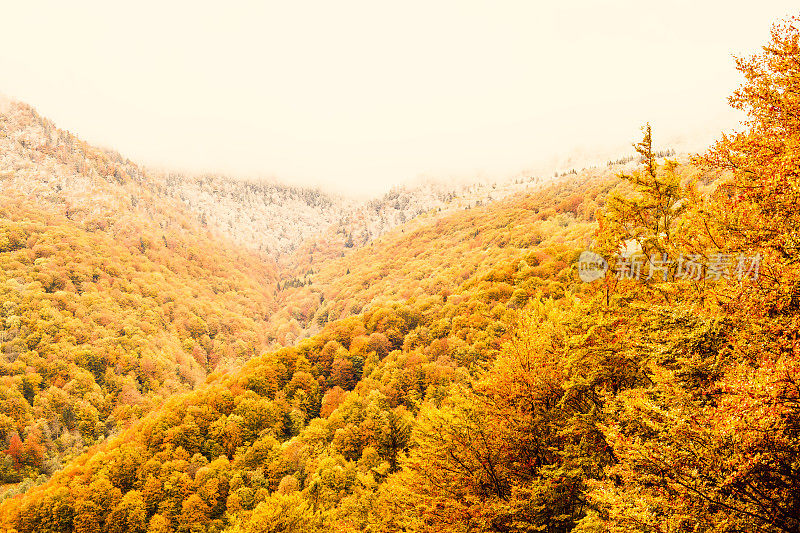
(458, 375)
(112, 300)
(277, 219)
(437, 252)
(339, 406)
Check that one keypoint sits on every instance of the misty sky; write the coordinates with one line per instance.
(358, 96)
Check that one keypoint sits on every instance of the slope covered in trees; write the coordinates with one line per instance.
(276, 219)
(110, 299)
(333, 413)
(311, 434)
(463, 378)
(438, 252)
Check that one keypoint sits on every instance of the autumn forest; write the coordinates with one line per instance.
(199, 354)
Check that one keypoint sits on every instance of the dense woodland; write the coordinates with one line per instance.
(275, 219)
(451, 374)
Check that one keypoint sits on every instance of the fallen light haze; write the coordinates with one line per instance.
(360, 96)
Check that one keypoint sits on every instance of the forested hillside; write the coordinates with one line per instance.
(412, 344)
(436, 254)
(276, 219)
(111, 299)
(471, 370)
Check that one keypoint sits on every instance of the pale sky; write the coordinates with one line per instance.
(359, 96)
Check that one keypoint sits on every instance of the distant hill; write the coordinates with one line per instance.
(277, 219)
